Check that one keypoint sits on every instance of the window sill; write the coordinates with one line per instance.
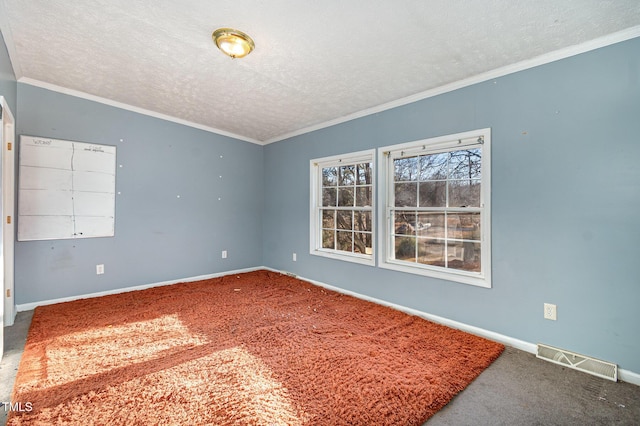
(355, 258)
(460, 277)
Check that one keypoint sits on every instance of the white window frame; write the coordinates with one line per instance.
(315, 225)
(386, 176)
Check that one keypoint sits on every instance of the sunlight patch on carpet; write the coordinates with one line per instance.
(90, 352)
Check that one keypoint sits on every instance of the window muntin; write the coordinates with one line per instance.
(342, 207)
(436, 208)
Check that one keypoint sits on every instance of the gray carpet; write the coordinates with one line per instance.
(14, 339)
(517, 389)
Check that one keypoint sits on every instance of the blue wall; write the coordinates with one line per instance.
(158, 236)
(7, 77)
(565, 203)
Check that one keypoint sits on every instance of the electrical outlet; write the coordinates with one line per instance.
(295, 257)
(224, 254)
(550, 311)
(100, 269)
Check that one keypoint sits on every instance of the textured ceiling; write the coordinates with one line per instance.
(315, 62)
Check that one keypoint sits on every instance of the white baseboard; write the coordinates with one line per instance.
(623, 375)
(33, 305)
(629, 376)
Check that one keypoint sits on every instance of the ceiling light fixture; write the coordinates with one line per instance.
(233, 42)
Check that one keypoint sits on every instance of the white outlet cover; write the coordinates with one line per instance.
(550, 312)
(99, 269)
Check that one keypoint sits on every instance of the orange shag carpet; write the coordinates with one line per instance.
(258, 348)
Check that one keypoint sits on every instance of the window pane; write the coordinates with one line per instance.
(404, 223)
(406, 169)
(433, 194)
(347, 175)
(329, 197)
(362, 243)
(329, 176)
(464, 256)
(362, 221)
(345, 197)
(363, 196)
(465, 164)
(345, 240)
(364, 174)
(344, 219)
(433, 167)
(464, 226)
(328, 239)
(328, 219)
(406, 194)
(405, 249)
(431, 251)
(430, 225)
(464, 193)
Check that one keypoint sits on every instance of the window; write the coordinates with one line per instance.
(342, 216)
(436, 204)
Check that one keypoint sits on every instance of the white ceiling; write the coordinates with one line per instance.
(315, 62)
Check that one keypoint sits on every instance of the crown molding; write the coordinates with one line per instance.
(547, 58)
(121, 105)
